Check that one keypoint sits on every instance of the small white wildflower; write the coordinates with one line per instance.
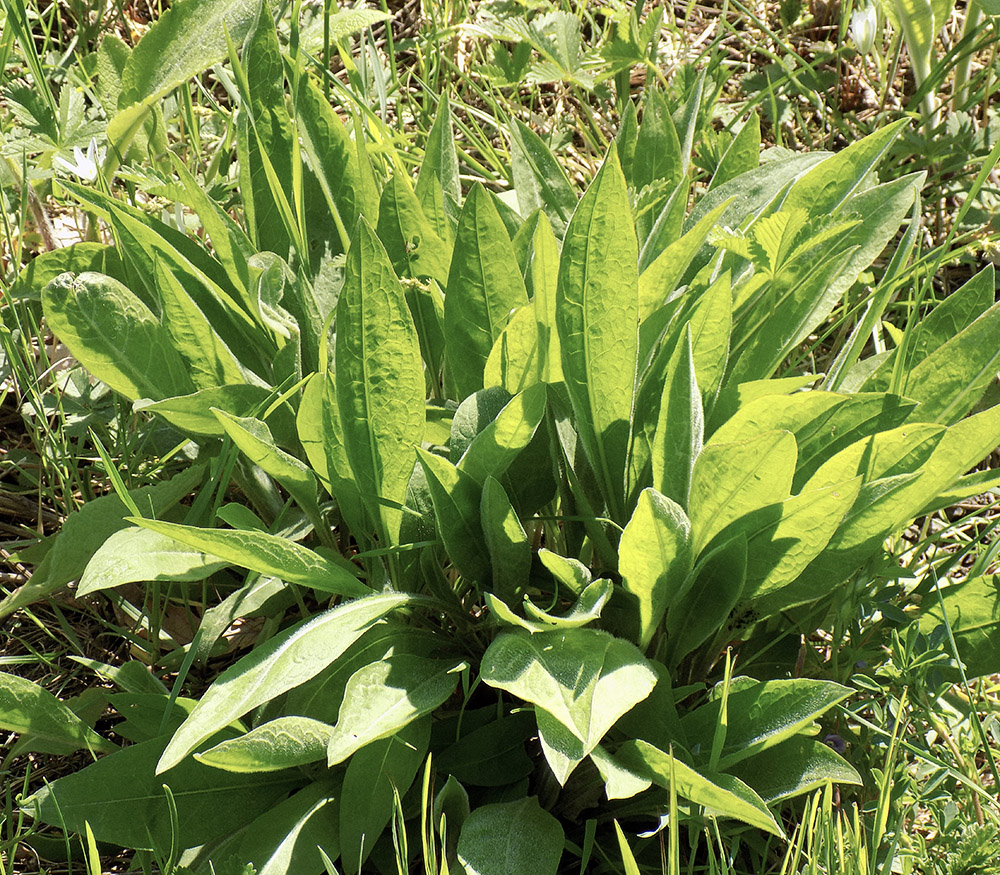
(864, 23)
(86, 166)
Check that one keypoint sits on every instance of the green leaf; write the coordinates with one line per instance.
(793, 767)
(85, 530)
(658, 155)
(542, 281)
(133, 555)
(743, 154)
(506, 542)
(482, 290)
(584, 610)
(511, 838)
(539, 179)
(45, 724)
(123, 800)
(597, 320)
(439, 169)
(283, 743)
(580, 682)
(762, 714)
(382, 698)
(414, 246)
(492, 755)
(972, 609)
(115, 336)
(456, 497)
(301, 845)
(702, 608)
(266, 554)
(254, 439)
(283, 662)
(724, 795)
(619, 782)
(731, 479)
(654, 558)
(372, 776)
(515, 361)
(496, 446)
(380, 380)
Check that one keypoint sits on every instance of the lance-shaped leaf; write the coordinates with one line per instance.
(732, 479)
(584, 610)
(972, 609)
(494, 448)
(597, 317)
(45, 724)
(511, 838)
(265, 553)
(539, 178)
(580, 682)
(290, 658)
(282, 743)
(793, 767)
(383, 697)
(133, 555)
(484, 286)
(380, 380)
(654, 558)
(506, 541)
(725, 795)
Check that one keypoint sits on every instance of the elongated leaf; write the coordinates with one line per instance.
(496, 446)
(439, 169)
(743, 154)
(285, 661)
(414, 246)
(265, 553)
(282, 743)
(380, 381)
(117, 337)
(456, 497)
(732, 479)
(515, 361)
(586, 609)
(385, 696)
(760, 715)
(511, 838)
(482, 290)
(580, 681)
(725, 795)
(654, 558)
(133, 555)
(45, 724)
(793, 767)
(597, 320)
(306, 837)
(492, 755)
(506, 542)
(123, 801)
(373, 773)
(972, 609)
(542, 281)
(539, 179)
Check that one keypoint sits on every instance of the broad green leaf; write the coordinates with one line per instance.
(702, 607)
(542, 281)
(724, 795)
(494, 448)
(45, 724)
(115, 336)
(793, 767)
(580, 681)
(483, 288)
(266, 554)
(291, 831)
(662, 277)
(733, 397)
(952, 315)
(456, 497)
(282, 743)
(473, 416)
(731, 479)
(654, 558)
(830, 183)
(620, 782)
(515, 361)
(972, 609)
(658, 156)
(571, 573)
(439, 168)
(506, 542)
(373, 773)
(954, 377)
(385, 696)
(680, 426)
(539, 179)
(255, 441)
(511, 838)
(491, 755)
(597, 320)
(414, 247)
(84, 531)
(133, 555)
(743, 154)
(122, 799)
(380, 380)
(76, 258)
(283, 662)
(711, 323)
(584, 610)
(309, 426)
(762, 714)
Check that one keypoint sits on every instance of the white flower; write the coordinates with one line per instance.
(864, 23)
(88, 166)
